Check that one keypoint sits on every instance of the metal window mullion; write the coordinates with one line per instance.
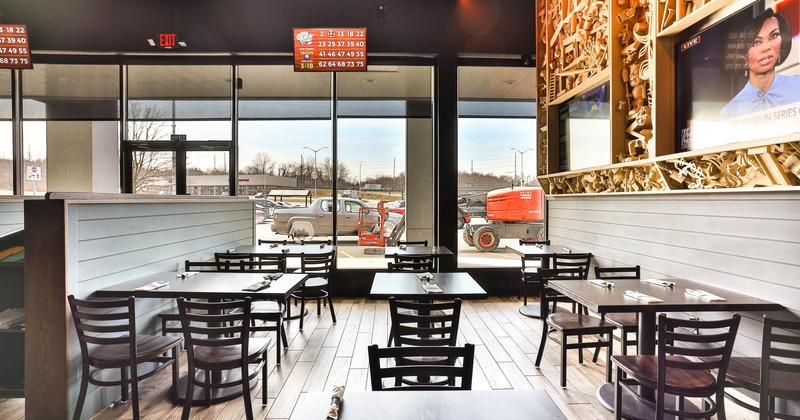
(18, 165)
(233, 146)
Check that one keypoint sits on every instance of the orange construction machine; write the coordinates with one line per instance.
(510, 213)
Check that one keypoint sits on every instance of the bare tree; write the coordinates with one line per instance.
(146, 123)
(261, 163)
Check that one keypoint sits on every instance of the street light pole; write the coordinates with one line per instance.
(521, 166)
(315, 175)
(359, 175)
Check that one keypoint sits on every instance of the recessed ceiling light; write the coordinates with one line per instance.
(369, 80)
(510, 82)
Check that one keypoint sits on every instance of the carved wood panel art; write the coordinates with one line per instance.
(576, 34)
(773, 165)
(636, 39)
(541, 83)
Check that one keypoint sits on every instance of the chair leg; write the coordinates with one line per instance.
(319, 303)
(391, 336)
(330, 306)
(187, 399)
(82, 393)
(135, 392)
(123, 373)
(564, 359)
(524, 293)
(580, 348)
(278, 335)
(175, 372)
(248, 405)
(264, 380)
(545, 330)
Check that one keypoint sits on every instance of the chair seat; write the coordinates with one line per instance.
(745, 372)
(117, 355)
(579, 323)
(229, 356)
(644, 369)
(265, 307)
(624, 320)
(314, 282)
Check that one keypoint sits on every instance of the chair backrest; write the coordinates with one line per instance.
(106, 322)
(547, 274)
(533, 242)
(215, 324)
(413, 243)
(415, 266)
(272, 241)
(617, 272)
(424, 324)
(574, 260)
(317, 264)
(206, 265)
(464, 372)
(780, 361)
(316, 242)
(233, 257)
(694, 346)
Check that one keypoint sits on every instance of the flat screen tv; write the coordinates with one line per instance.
(739, 79)
(584, 130)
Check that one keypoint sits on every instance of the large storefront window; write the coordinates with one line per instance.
(497, 137)
(70, 128)
(179, 128)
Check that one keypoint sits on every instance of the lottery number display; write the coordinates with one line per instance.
(330, 49)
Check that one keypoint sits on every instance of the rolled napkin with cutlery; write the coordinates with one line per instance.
(642, 297)
(336, 402)
(153, 286)
(273, 245)
(272, 276)
(425, 276)
(706, 296)
(566, 250)
(186, 274)
(601, 283)
(658, 282)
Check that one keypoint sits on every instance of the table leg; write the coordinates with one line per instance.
(534, 310)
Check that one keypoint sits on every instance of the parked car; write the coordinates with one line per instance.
(399, 207)
(261, 214)
(317, 219)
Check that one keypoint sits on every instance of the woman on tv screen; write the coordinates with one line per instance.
(769, 41)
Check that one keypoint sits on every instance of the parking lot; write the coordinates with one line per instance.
(351, 255)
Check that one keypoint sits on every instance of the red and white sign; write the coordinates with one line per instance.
(330, 49)
(14, 50)
(34, 173)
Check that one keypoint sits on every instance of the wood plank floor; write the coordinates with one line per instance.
(325, 354)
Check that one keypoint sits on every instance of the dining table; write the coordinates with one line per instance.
(546, 253)
(410, 286)
(213, 286)
(411, 251)
(440, 405)
(654, 296)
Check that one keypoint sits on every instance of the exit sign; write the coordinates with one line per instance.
(166, 40)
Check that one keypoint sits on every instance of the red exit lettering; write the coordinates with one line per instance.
(166, 40)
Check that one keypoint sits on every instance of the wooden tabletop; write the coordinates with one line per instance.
(409, 286)
(207, 285)
(417, 251)
(439, 405)
(675, 299)
(291, 250)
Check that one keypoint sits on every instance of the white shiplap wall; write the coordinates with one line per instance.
(11, 216)
(110, 243)
(747, 241)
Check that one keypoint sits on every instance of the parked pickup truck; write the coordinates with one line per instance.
(317, 219)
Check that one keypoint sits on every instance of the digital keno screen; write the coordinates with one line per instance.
(330, 49)
(14, 50)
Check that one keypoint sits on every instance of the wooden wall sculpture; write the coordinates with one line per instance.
(770, 165)
(636, 36)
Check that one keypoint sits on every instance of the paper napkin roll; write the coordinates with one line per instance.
(337, 395)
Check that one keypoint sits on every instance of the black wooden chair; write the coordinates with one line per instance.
(424, 324)
(530, 264)
(317, 287)
(415, 264)
(462, 375)
(627, 322)
(217, 336)
(687, 352)
(778, 366)
(170, 319)
(316, 242)
(571, 325)
(238, 261)
(109, 340)
(569, 260)
(413, 243)
(272, 242)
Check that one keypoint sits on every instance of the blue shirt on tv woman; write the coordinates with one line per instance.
(771, 42)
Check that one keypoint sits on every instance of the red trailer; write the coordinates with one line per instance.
(510, 213)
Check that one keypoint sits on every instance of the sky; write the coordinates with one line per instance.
(377, 146)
